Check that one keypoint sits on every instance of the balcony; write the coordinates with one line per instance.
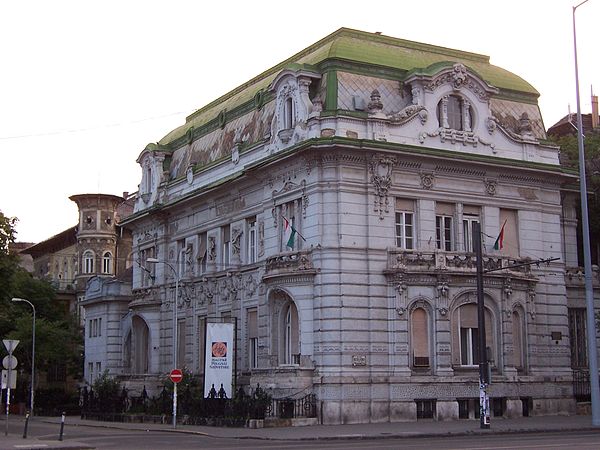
(575, 277)
(289, 263)
(452, 262)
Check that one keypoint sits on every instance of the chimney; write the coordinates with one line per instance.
(594, 112)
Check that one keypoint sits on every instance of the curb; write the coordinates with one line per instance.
(341, 437)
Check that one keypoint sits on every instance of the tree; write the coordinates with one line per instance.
(8, 262)
(58, 339)
(570, 158)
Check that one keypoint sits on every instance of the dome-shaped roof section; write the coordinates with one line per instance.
(359, 47)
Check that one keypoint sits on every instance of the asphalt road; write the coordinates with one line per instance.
(115, 439)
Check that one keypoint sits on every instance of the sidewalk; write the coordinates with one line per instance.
(319, 432)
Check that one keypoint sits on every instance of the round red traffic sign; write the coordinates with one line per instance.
(176, 375)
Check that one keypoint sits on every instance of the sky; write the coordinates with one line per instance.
(86, 85)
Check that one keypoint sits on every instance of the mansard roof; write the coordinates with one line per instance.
(345, 48)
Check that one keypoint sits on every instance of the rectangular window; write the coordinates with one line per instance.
(91, 372)
(468, 221)
(90, 328)
(181, 343)
(578, 337)
(226, 246)
(508, 218)
(252, 338)
(251, 234)
(100, 326)
(288, 113)
(469, 346)
(290, 238)
(202, 254)
(425, 409)
(444, 233)
(148, 270)
(98, 369)
(404, 230)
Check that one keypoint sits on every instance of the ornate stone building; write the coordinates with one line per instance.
(381, 153)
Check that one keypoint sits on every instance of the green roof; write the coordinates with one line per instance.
(366, 49)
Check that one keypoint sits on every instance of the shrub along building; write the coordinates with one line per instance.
(328, 206)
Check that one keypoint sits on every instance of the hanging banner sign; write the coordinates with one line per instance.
(218, 366)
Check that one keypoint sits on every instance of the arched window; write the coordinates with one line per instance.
(518, 341)
(88, 261)
(455, 112)
(107, 262)
(290, 351)
(141, 345)
(465, 335)
(419, 334)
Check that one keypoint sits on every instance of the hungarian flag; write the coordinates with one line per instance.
(289, 233)
(500, 240)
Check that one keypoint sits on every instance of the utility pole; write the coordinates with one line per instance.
(587, 258)
(484, 400)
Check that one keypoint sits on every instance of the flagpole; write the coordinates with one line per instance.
(293, 228)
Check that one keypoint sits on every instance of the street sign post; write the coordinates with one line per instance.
(176, 375)
(9, 361)
(10, 345)
(13, 379)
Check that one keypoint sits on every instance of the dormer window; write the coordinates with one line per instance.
(455, 113)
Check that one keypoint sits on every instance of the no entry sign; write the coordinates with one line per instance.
(176, 375)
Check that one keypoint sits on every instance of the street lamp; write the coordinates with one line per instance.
(587, 259)
(176, 273)
(32, 351)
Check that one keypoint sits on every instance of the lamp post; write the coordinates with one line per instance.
(32, 352)
(587, 259)
(176, 273)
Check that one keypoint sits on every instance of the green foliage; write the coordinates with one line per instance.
(570, 158)
(58, 339)
(107, 391)
(8, 263)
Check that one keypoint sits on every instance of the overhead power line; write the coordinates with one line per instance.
(82, 130)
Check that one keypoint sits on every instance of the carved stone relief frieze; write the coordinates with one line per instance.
(147, 236)
(261, 238)
(381, 167)
(531, 301)
(459, 78)
(236, 234)
(212, 248)
(290, 186)
(189, 260)
(401, 288)
(427, 179)
(454, 136)
(490, 186)
(442, 291)
(229, 286)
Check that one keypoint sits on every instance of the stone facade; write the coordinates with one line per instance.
(381, 166)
